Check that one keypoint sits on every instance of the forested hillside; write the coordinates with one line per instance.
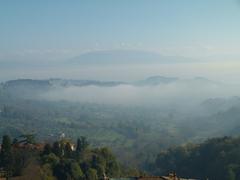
(215, 159)
(23, 157)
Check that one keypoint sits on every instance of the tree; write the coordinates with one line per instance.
(6, 144)
(231, 175)
(99, 164)
(46, 172)
(6, 156)
(91, 174)
(57, 149)
(82, 144)
(68, 169)
(76, 171)
(51, 159)
(21, 160)
(112, 167)
(61, 171)
(47, 149)
(68, 150)
(78, 148)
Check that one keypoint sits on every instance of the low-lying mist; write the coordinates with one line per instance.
(182, 93)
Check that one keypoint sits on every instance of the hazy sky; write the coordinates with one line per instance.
(60, 28)
(33, 31)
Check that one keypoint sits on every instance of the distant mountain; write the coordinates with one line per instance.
(25, 88)
(29, 88)
(204, 80)
(80, 83)
(26, 83)
(156, 80)
(125, 57)
(53, 83)
(49, 83)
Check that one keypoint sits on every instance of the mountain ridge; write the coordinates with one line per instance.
(126, 57)
(149, 81)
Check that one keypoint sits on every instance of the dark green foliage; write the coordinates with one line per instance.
(6, 144)
(47, 149)
(62, 170)
(57, 149)
(6, 155)
(13, 160)
(215, 159)
(76, 171)
(82, 144)
(91, 164)
(67, 169)
(91, 174)
(21, 160)
(111, 166)
(68, 150)
(99, 164)
(51, 159)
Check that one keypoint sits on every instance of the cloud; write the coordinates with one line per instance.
(184, 93)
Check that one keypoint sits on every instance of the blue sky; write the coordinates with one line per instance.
(67, 28)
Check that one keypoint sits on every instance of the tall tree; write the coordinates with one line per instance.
(82, 144)
(47, 149)
(68, 150)
(6, 155)
(57, 149)
(6, 144)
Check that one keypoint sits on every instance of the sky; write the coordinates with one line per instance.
(176, 27)
(37, 30)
